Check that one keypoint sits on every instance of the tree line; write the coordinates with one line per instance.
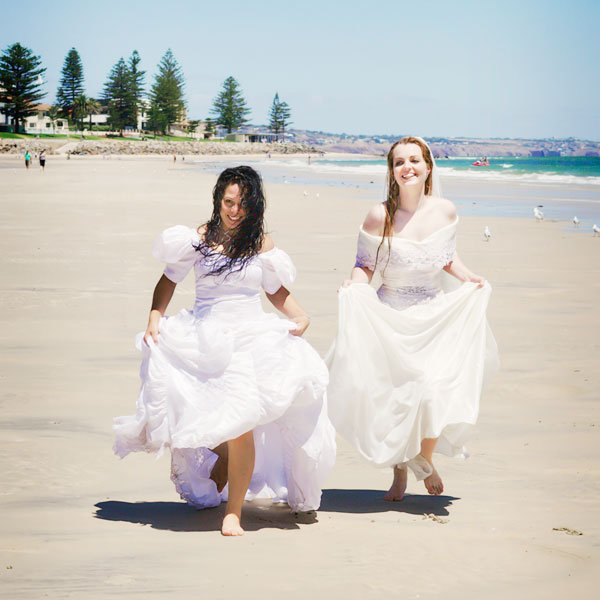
(123, 95)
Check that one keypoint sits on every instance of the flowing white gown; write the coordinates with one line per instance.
(409, 361)
(226, 368)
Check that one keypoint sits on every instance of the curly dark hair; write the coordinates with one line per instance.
(244, 241)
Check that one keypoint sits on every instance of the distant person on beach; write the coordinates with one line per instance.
(27, 159)
(408, 361)
(234, 392)
(42, 160)
(174, 157)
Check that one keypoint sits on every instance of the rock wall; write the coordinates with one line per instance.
(16, 146)
(53, 146)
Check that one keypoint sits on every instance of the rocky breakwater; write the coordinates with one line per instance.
(17, 146)
(153, 147)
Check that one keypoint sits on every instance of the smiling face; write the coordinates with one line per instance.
(409, 166)
(232, 209)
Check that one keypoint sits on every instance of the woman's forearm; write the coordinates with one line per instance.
(283, 301)
(458, 269)
(163, 292)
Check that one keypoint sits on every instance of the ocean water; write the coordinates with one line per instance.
(561, 187)
(581, 170)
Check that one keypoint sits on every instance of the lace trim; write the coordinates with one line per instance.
(406, 296)
(411, 256)
(178, 473)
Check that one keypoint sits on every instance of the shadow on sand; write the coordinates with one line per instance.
(179, 516)
(371, 501)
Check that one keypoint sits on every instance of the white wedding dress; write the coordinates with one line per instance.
(409, 361)
(226, 368)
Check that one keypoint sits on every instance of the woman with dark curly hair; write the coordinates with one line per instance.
(235, 393)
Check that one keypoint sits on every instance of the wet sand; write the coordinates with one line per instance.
(77, 278)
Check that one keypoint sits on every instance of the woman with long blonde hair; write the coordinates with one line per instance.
(408, 362)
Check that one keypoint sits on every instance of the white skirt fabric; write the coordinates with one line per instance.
(399, 376)
(211, 379)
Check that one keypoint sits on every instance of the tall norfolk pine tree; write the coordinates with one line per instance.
(20, 82)
(119, 94)
(137, 80)
(166, 96)
(230, 106)
(71, 84)
(279, 115)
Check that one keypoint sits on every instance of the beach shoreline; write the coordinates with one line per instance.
(77, 522)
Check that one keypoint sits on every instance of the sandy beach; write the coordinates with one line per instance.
(518, 519)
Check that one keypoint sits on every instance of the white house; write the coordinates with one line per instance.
(41, 122)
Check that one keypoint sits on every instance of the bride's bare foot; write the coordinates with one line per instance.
(396, 491)
(219, 473)
(434, 483)
(231, 525)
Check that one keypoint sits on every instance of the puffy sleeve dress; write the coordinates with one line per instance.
(225, 368)
(410, 359)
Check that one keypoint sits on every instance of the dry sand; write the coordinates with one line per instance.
(76, 522)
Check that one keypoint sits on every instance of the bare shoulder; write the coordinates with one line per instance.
(268, 244)
(444, 207)
(375, 219)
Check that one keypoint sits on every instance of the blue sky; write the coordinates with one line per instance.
(523, 68)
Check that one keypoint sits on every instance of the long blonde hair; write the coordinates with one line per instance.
(393, 189)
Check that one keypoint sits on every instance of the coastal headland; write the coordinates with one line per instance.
(518, 519)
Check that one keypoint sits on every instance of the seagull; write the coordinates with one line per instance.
(487, 234)
(538, 214)
(596, 230)
(575, 221)
(305, 193)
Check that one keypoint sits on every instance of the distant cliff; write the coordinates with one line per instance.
(451, 146)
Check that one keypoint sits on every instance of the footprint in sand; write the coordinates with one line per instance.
(567, 530)
(435, 518)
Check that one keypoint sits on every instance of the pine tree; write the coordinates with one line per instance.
(230, 106)
(119, 94)
(166, 96)
(137, 81)
(279, 115)
(20, 82)
(71, 84)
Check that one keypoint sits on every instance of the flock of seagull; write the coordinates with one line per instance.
(539, 216)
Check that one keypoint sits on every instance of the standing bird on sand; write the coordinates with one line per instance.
(576, 221)
(538, 214)
(487, 234)
(596, 230)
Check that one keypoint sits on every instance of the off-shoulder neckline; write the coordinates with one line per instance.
(399, 237)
